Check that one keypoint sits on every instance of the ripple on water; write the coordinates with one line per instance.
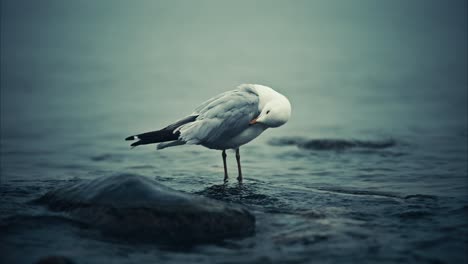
(236, 192)
(414, 214)
(420, 197)
(107, 157)
(354, 191)
(243, 194)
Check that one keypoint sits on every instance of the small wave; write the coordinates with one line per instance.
(302, 234)
(312, 214)
(351, 191)
(463, 209)
(420, 197)
(332, 144)
(141, 167)
(414, 214)
(409, 199)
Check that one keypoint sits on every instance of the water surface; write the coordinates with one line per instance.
(371, 167)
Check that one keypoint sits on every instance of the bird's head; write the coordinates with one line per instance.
(275, 113)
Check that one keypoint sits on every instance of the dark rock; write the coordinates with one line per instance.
(332, 144)
(341, 144)
(286, 141)
(138, 208)
(327, 144)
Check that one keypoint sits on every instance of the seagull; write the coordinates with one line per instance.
(226, 121)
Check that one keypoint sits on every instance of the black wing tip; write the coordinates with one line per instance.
(130, 138)
(134, 144)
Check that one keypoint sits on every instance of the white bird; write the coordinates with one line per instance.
(226, 121)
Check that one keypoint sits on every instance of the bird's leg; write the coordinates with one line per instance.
(239, 177)
(225, 168)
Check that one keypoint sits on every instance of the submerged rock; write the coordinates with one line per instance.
(138, 208)
(332, 144)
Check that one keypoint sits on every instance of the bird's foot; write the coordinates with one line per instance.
(239, 178)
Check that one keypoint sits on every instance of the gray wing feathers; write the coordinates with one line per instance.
(221, 117)
(201, 107)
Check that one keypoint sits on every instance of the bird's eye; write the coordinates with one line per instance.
(268, 111)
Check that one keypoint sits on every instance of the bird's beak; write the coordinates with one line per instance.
(253, 121)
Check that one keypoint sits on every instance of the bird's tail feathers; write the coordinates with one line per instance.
(153, 137)
(170, 144)
(163, 135)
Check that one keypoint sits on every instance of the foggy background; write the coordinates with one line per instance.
(377, 64)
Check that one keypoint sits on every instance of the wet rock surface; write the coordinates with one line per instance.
(140, 209)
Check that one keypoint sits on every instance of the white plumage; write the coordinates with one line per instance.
(226, 121)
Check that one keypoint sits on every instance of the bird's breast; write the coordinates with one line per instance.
(242, 138)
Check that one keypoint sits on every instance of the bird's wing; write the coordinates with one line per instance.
(222, 117)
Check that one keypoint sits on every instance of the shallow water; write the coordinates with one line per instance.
(371, 167)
